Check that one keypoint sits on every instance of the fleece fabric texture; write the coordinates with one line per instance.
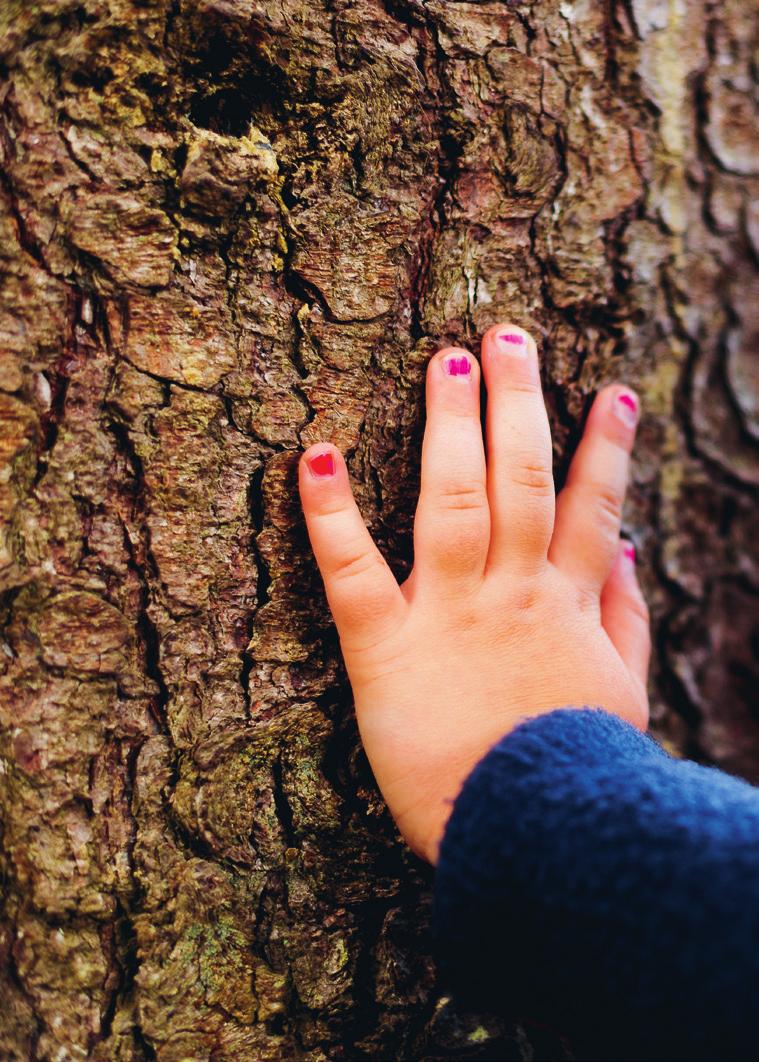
(588, 880)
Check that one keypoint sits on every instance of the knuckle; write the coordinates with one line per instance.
(526, 387)
(526, 599)
(461, 547)
(608, 500)
(352, 565)
(457, 412)
(535, 476)
(461, 497)
(333, 507)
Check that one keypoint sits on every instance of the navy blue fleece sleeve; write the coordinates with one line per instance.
(589, 879)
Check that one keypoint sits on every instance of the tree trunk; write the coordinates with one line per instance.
(231, 228)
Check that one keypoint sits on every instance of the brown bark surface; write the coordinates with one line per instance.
(230, 228)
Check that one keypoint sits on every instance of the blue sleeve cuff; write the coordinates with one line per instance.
(589, 879)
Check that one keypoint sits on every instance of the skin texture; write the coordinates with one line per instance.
(518, 602)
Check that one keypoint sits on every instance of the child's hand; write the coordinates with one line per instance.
(518, 602)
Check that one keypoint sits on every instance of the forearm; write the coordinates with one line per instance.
(586, 875)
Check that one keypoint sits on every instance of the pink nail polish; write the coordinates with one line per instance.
(322, 464)
(626, 408)
(512, 343)
(457, 365)
(629, 553)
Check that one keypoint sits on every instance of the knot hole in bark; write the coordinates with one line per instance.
(235, 87)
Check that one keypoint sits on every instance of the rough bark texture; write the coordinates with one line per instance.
(230, 228)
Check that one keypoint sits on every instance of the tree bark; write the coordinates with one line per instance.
(230, 228)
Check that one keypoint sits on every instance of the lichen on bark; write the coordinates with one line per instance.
(229, 228)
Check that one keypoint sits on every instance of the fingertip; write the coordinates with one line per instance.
(321, 474)
(510, 359)
(455, 364)
(627, 558)
(320, 461)
(616, 412)
(453, 384)
(623, 573)
(511, 340)
(623, 579)
(508, 338)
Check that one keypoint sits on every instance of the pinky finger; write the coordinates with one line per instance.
(624, 613)
(362, 592)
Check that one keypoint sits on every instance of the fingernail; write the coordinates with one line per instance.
(512, 343)
(322, 464)
(457, 365)
(629, 552)
(626, 408)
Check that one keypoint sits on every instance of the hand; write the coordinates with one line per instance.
(518, 603)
